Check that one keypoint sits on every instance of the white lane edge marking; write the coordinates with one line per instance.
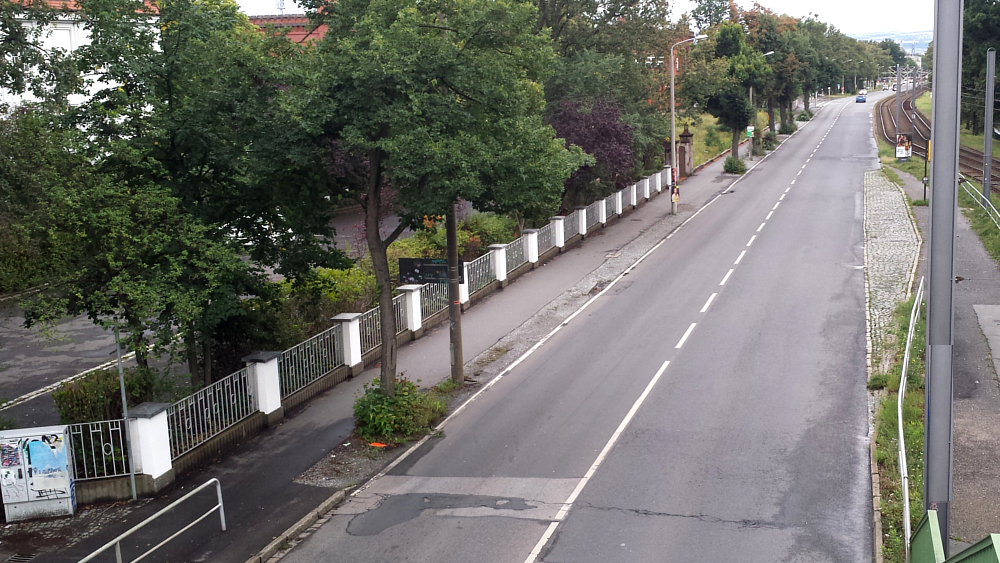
(769, 213)
(740, 257)
(776, 205)
(754, 237)
(707, 303)
(761, 227)
(685, 337)
(726, 278)
(597, 463)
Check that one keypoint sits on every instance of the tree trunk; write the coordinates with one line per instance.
(454, 299)
(736, 143)
(380, 263)
(770, 114)
(784, 112)
(191, 345)
(805, 100)
(207, 357)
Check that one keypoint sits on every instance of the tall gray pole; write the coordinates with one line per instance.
(913, 102)
(991, 68)
(899, 91)
(454, 297)
(128, 434)
(945, 102)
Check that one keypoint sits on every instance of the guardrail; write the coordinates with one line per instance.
(516, 254)
(901, 442)
(571, 225)
(979, 197)
(592, 217)
(310, 360)
(545, 238)
(117, 542)
(201, 416)
(480, 272)
(99, 449)
(609, 206)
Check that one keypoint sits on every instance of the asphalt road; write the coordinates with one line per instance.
(710, 405)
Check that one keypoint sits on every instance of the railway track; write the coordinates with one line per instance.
(970, 161)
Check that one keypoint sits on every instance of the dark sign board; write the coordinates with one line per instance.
(427, 270)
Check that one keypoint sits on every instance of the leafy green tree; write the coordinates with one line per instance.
(710, 13)
(25, 65)
(895, 52)
(429, 102)
(981, 31)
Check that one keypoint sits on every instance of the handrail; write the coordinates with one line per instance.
(116, 543)
(903, 472)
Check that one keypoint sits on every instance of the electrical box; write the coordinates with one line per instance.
(36, 476)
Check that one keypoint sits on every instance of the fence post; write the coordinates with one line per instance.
(581, 219)
(618, 202)
(414, 313)
(659, 181)
(645, 188)
(531, 245)
(350, 343)
(151, 460)
(632, 195)
(558, 236)
(602, 212)
(670, 176)
(499, 252)
(463, 288)
(266, 384)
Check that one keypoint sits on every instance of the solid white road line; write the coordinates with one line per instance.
(685, 337)
(597, 463)
(740, 257)
(709, 302)
(726, 278)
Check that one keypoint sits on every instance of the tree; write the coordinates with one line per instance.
(895, 52)
(598, 131)
(435, 101)
(25, 65)
(710, 13)
(981, 31)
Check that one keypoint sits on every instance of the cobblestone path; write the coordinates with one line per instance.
(892, 244)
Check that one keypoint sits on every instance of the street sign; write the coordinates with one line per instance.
(427, 270)
(750, 130)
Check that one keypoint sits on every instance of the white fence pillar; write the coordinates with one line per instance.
(581, 218)
(558, 234)
(632, 195)
(602, 212)
(670, 176)
(618, 202)
(147, 424)
(414, 313)
(499, 252)
(350, 341)
(659, 181)
(645, 188)
(266, 384)
(531, 245)
(463, 288)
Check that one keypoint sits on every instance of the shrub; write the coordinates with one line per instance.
(392, 419)
(804, 115)
(97, 396)
(787, 128)
(490, 228)
(734, 166)
(770, 141)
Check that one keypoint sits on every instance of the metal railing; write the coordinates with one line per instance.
(515, 254)
(626, 198)
(903, 471)
(201, 416)
(310, 360)
(98, 449)
(434, 298)
(609, 206)
(545, 239)
(480, 272)
(371, 324)
(592, 211)
(571, 225)
(978, 196)
(117, 542)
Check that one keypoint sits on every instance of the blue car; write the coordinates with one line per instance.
(860, 99)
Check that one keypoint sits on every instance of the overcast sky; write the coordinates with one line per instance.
(850, 16)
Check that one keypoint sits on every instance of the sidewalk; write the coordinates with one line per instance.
(975, 508)
(262, 482)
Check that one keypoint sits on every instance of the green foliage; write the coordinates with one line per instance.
(734, 166)
(804, 115)
(394, 418)
(709, 13)
(97, 396)
(770, 140)
(920, 203)
(787, 128)
(490, 228)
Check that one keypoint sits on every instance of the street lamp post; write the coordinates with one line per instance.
(673, 123)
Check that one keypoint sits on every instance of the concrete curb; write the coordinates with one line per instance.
(298, 528)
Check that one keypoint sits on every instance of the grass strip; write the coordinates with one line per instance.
(887, 431)
(980, 220)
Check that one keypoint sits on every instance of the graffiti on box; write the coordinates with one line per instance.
(34, 468)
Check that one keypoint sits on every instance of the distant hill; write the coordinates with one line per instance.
(914, 42)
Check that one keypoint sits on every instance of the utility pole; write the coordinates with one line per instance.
(991, 68)
(899, 88)
(913, 102)
(128, 433)
(946, 99)
(454, 297)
